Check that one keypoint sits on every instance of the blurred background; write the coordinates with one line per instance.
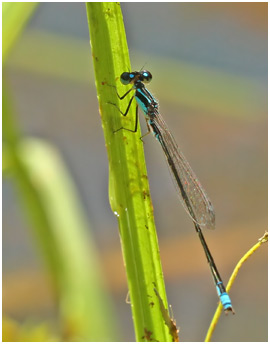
(209, 67)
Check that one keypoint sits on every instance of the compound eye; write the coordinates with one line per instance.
(126, 78)
(147, 76)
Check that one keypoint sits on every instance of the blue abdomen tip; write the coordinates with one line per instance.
(225, 300)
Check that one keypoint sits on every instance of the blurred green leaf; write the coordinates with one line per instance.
(51, 202)
(14, 17)
(63, 232)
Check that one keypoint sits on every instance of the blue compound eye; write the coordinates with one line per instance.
(126, 78)
(147, 76)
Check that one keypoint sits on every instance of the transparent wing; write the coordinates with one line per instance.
(192, 195)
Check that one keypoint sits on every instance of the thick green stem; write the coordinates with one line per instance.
(128, 184)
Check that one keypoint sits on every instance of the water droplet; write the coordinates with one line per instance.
(116, 213)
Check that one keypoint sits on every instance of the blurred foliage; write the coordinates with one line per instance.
(62, 234)
(15, 15)
(68, 64)
(29, 332)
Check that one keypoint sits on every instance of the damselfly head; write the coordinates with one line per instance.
(131, 78)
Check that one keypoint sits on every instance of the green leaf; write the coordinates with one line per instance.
(128, 184)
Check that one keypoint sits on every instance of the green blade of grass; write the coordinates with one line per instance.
(128, 184)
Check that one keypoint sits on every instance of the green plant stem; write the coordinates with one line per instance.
(128, 183)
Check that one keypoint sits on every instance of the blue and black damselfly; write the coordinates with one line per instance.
(192, 195)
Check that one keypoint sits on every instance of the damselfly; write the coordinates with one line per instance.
(192, 195)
